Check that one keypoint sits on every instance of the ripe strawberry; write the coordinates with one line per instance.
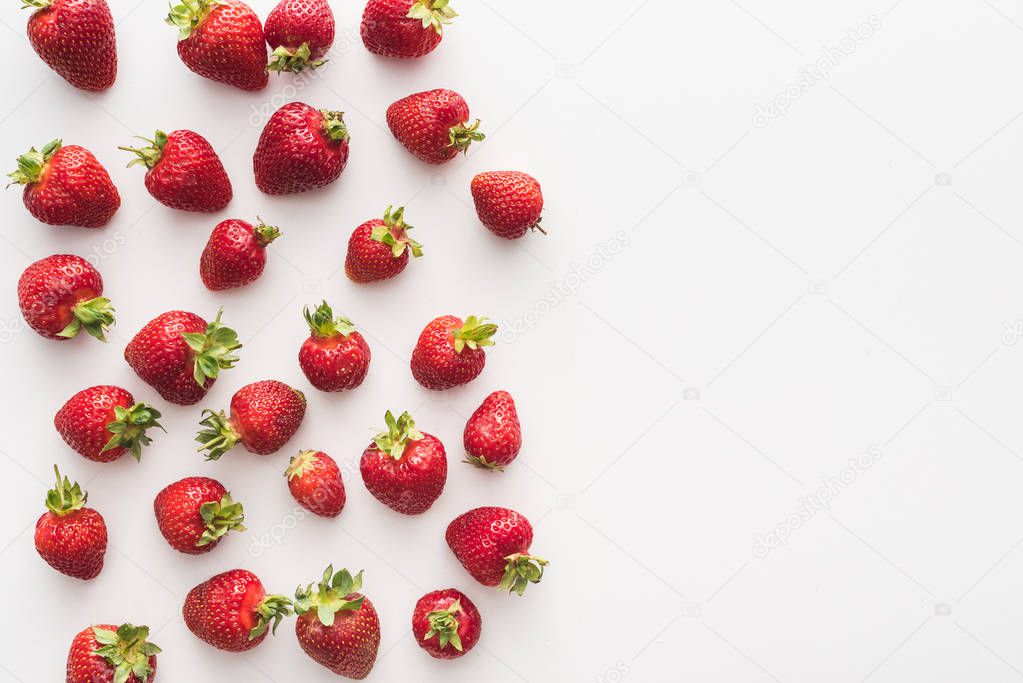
(450, 352)
(61, 295)
(492, 543)
(433, 125)
(404, 28)
(66, 186)
(112, 654)
(300, 32)
(338, 626)
(180, 355)
(69, 536)
(335, 357)
(508, 202)
(194, 513)
(403, 468)
(377, 248)
(76, 39)
(231, 611)
(446, 624)
(300, 149)
(235, 254)
(493, 435)
(315, 482)
(103, 423)
(184, 172)
(221, 40)
(264, 416)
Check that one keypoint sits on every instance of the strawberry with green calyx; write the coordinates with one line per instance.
(102, 423)
(335, 357)
(221, 40)
(120, 654)
(71, 537)
(493, 435)
(450, 352)
(235, 254)
(492, 543)
(404, 29)
(61, 295)
(403, 468)
(232, 612)
(379, 249)
(446, 623)
(195, 513)
(264, 416)
(76, 39)
(433, 125)
(314, 480)
(184, 171)
(300, 149)
(300, 32)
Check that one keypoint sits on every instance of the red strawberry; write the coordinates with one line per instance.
(69, 536)
(184, 172)
(76, 39)
(264, 416)
(404, 28)
(493, 435)
(315, 481)
(66, 186)
(300, 149)
(194, 513)
(61, 295)
(180, 355)
(103, 423)
(112, 654)
(508, 202)
(403, 468)
(335, 357)
(300, 32)
(231, 611)
(235, 254)
(492, 543)
(221, 40)
(450, 352)
(338, 626)
(377, 248)
(446, 624)
(433, 125)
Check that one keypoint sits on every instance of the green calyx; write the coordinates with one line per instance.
(474, 333)
(32, 163)
(444, 626)
(94, 316)
(127, 651)
(461, 136)
(37, 4)
(187, 15)
(271, 610)
(483, 463)
(299, 464)
(433, 13)
(219, 436)
(394, 233)
(65, 497)
(521, 571)
(151, 153)
(334, 125)
(220, 517)
(129, 427)
(330, 596)
(323, 323)
(399, 433)
(212, 350)
(295, 60)
(265, 234)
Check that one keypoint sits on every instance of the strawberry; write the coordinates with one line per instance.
(184, 172)
(433, 125)
(300, 32)
(403, 468)
(264, 416)
(337, 626)
(112, 654)
(404, 28)
(221, 40)
(235, 254)
(180, 355)
(493, 435)
(61, 295)
(231, 611)
(492, 543)
(66, 186)
(194, 513)
(103, 423)
(300, 149)
(446, 624)
(377, 248)
(508, 202)
(76, 39)
(315, 482)
(71, 538)
(450, 352)
(335, 357)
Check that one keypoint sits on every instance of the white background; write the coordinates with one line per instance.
(762, 303)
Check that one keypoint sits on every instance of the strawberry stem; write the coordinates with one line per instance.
(298, 464)
(187, 16)
(265, 234)
(65, 497)
(293, 60)
(323, 323)
(127, 651)
(394, 233)
(521, 571)
(273, 609)
(129, 428)
(220, 517)
(93, 316)
(212, 350)
(219, 436)
(461, 136)
(444, 625)
(333, 594)
(32, 163)
(433, 13)
(334, 125)
(482, 463)
(151, 153)
(474, 333)
(399, 433)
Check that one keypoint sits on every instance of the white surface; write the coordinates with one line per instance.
(811, 283)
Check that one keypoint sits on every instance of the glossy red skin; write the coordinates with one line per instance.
(508, 203)
(266, 414)
(349, 647)
(82, 421)
(482, 538)
(470, 623)
(387, 31)
(221, 611)
(295, 154)
(422, 123)
(163, 360)
(320, 489)
(293, 22)
(49, 289)
(369, 260)
(228, 46)
(493, 431)
(189, 175)
(73, 544)
(335, 363)
(85, 667)
(233, 256)
(435, 363)
(73, 189)
(177, 512)
(76, 39)
(410, 484)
